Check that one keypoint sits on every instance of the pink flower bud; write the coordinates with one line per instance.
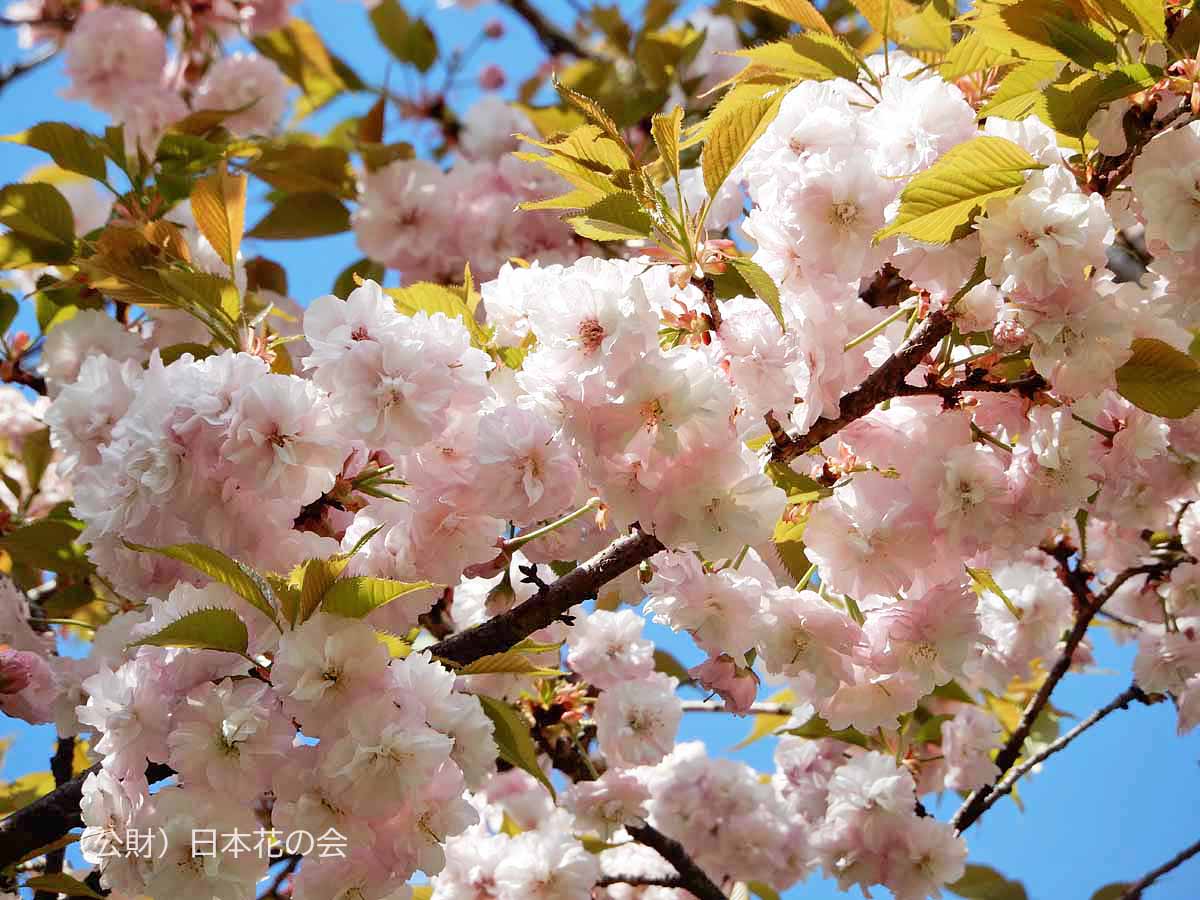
(492, 78)
(494, 29)
(736, 686)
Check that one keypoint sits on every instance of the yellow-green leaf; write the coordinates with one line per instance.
(302, 56)
(767, 723)
(211, 292)
(316, 578)
(513, 739)
(297, 168)
(939, 205)
(37, 210)
(1114, 891)
(802, 12)
(70, 148)
(35, 455)
(812, 55)
(219, 205)
(1070, 103)
(972, 54)
(618, 217)
(306, 215)
(788, 541)
(1144, 16)
(732, 136)
(763, 286)
(1021, 90)
(1160, 379)
(204, 629)
(427, 297)
(356, 597)
(817, 728)
(22, 791)
(983, 583)
(666, 128)
(929, 27)
(510, 662)
(239, 578)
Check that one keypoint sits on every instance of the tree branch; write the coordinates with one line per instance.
(61, 765)
(553, 38)
(12, 72)
(1134, 891)
(691, 877)
(756, 709)
(550, 604)
(884, 383)
(48, 818)
(1086, 609)
(1009, 781)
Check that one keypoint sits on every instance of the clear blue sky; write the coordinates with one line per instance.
(1118, 802)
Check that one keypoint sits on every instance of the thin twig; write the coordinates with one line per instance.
(1134, 891)
(12, 72)
(1086, 609)
(1009, 781)
(756, 709)
(641, 881)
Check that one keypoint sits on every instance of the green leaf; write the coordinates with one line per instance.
(1043, 29)
(817, 728)
(48, 544)
(70, 148)
(766, 723)
(1160, 379)
(985, 883)
(35, 455)
(408, 40)
(240, 579)
(939, 205)
(618, 217)
(1114, 891)
(204, 629)
(763, 286)
(210, 292)
(972, 54)
(355, 597)
(732, 136)
(8, 310)
(297, 168)
(303, 216)
(316, 578)
(366, 269)
(928, 28)
(667, 664)
(60, 883)
(513, 739)
(19, 250)
(952, 690)
(37, 210)
(760, 890)
(176, 351)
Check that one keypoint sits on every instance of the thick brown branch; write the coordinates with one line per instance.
(1113, 170)
(884, 383)
(49, 818)
(1134, 891)
(1086, 609)
(553, 38)
(548, 605)
(1009, 781)
(61, 765)
(691, 876)
(641, 881)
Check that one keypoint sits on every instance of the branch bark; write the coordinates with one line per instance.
(61, 765)
(549, 604)
(553, 38)
(884, 383)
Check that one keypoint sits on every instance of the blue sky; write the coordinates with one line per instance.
(1118, 802)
